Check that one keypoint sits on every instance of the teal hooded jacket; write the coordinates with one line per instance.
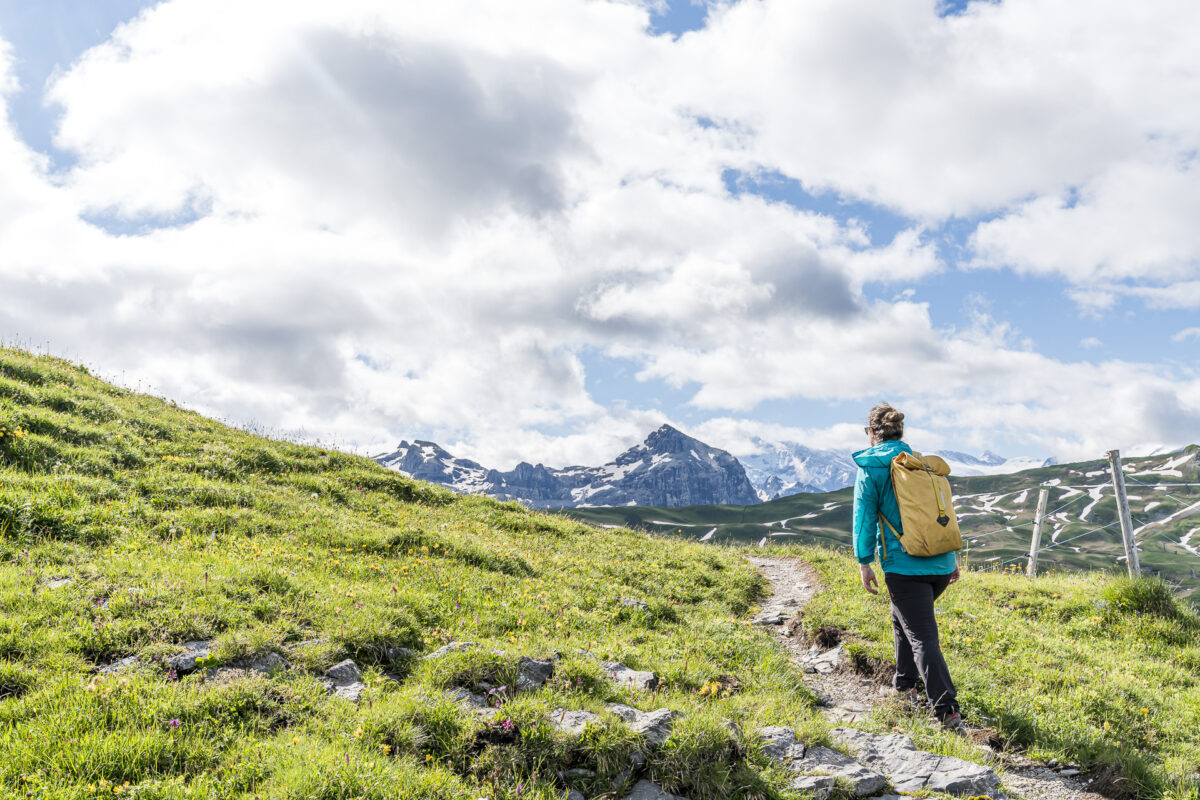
(874, 495)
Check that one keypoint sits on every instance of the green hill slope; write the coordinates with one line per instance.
(130, 528)
(997, 509)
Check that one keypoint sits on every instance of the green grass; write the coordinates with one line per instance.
(1078, 667)
(171, 527)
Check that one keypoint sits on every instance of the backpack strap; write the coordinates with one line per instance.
(883, 539)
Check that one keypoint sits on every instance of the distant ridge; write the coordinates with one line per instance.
(669, 469)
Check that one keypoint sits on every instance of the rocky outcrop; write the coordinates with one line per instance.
(668, 469)
(912, 770)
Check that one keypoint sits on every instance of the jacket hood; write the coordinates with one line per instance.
(880, 455)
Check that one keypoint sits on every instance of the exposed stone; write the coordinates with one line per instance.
(654, 726)
(466, 698)
(780, 745)
(631, 678)
(819, 786)
(823, 761)
(118, 666)
(572, 722)
(349, 691)
(344, 672)
(637, 605)
(185, 662)
(910, 769)
(645, 790)
(344, 680)
(453, 647)
(576, 774)
(60, 583)
(532, 673)
(398, 653)
(575, 795)
(769, 617)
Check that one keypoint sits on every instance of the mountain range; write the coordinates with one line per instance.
(669, 469)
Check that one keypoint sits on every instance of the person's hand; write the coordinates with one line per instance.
(954, 575)
(868, 578)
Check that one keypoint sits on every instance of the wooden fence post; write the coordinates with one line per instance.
(1118, 478)
(1036, 542)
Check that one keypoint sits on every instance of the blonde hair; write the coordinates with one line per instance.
(886, 422)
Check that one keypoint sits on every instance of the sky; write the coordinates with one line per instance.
(539, 230)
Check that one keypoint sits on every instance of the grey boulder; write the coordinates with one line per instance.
(629, 678)
(911, 770)
(780, 745)
(645, 790)
(823, 761)
(344, 680)
(572, 722)
(653, 726)
(186, 661)
(532, 673)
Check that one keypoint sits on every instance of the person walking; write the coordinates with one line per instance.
(913, 582)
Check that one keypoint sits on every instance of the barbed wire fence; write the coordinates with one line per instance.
(1131, 537)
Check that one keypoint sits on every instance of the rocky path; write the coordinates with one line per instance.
(848, 697)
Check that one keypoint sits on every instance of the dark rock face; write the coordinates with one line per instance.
(668, 469)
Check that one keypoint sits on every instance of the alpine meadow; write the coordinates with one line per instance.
(175, 593)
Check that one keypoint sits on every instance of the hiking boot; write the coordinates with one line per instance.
(953, 723)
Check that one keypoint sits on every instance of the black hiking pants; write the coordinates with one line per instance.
(918, 650)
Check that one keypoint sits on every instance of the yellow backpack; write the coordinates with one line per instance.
(926, 509)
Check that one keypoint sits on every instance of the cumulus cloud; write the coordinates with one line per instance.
(366, 223)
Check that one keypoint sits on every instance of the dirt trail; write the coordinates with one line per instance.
(847, 695)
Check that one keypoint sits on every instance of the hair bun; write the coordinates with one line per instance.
(894, 417)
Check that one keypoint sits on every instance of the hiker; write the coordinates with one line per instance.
(913, 582)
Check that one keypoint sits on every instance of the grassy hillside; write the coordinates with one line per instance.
(997, 509)
(129, 526)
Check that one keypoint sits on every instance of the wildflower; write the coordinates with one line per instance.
(386, 749)
(174, 724)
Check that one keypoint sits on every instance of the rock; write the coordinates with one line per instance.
(780, 745)
(266, 663)
(118, 666)
(575, 795)
(466, 698)
(60, 583)
(1069, 773)
(531, 673)
(398, 653)
(344, 680)
(453, 647)
(344, 672)
(349, 691)
(572, 722)
(823, 761)
(770, 617)
(637, 605)
(654, 726)
(645, 790)
(819, 786)
(575, 774)
(631, 678)
(910, 769)
(475, 703)
(185, 662)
